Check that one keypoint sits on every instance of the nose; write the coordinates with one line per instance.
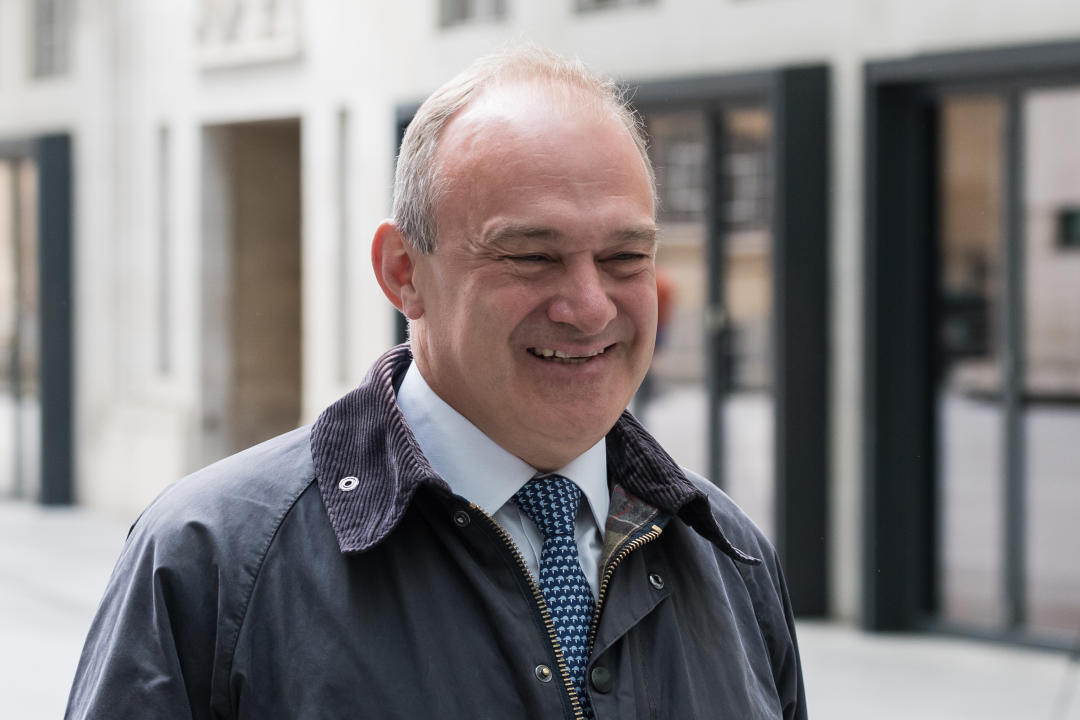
(582, 300)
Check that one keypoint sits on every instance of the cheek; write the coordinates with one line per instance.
(483, 327)
(639, 303)
(508, 309)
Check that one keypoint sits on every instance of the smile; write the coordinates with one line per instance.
(563, 357)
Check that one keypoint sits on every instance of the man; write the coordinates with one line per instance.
(478, 530)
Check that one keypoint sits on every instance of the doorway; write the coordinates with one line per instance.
(715, 297)
(1007, 391)
(973, 333)
(20, 401)
(737, 390)
(36, 320)
(251, 270)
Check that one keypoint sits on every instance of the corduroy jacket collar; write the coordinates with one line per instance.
(369, 465)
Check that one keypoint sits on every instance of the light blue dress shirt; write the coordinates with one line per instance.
(484, 473)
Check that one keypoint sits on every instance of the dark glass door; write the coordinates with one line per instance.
(1007, 397)
(1049, 358)
(20, 407)
(712, 371)
(969, 403)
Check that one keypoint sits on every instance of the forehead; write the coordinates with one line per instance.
(526, 131)
(532, 102)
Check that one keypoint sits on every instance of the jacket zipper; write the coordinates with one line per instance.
(545, 614)
(609, 571)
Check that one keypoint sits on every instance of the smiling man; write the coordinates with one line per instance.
(534, 316)
(479, 529)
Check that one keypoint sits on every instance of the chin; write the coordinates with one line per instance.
(585, 426)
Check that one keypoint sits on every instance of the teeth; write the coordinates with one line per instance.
(563, 356)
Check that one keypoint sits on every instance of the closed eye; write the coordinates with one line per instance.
(529, 258)
(629, 257)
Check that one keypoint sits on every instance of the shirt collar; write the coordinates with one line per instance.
(475, 466)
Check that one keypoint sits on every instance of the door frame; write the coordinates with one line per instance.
(901, 499)
(52, 155)
(797, 99)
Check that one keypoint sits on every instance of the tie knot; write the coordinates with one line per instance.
(551, 502)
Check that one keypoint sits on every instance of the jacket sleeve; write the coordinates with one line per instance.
(768, 592)
(787, 667)
(151, 648)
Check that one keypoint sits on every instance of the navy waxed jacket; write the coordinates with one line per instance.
(330, 573)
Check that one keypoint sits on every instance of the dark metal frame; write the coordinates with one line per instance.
(798, 102)
(52, 154)
(900, 503)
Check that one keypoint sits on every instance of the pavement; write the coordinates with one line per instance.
(54, 563)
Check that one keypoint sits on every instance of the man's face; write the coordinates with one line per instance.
(538, 309)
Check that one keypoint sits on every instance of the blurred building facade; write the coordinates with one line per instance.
(870, 218)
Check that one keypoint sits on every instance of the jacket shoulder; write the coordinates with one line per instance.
(162, 641)
(204, 539)
(237, 493)
(736, 524)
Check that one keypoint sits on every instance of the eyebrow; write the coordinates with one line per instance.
(643, 234)
(518, 232)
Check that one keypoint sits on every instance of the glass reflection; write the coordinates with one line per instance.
(969, 405)
(673, 401)
(1051, 361)
(19, 407)
(747, 267)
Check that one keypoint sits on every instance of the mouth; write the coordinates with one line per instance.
(569, 358)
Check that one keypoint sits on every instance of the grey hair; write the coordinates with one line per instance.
(418, 182)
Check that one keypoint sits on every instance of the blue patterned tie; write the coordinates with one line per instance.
(551, 502)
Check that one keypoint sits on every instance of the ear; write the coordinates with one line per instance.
(393, 262)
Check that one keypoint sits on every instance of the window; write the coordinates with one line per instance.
(583, 5)
(52, 37)
(745, 180)
(239, 32)
(678, 148)
(1069, 228)
(459, 12)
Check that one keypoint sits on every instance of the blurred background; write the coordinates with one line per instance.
(870, 283)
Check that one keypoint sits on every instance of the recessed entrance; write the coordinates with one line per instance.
(251, 357)
(20, 403)
(973, 391)
(36, 320)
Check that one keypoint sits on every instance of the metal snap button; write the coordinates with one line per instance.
(346, 484)
(656, 581)
(600, 677)
(543, 673)
(461, 518)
